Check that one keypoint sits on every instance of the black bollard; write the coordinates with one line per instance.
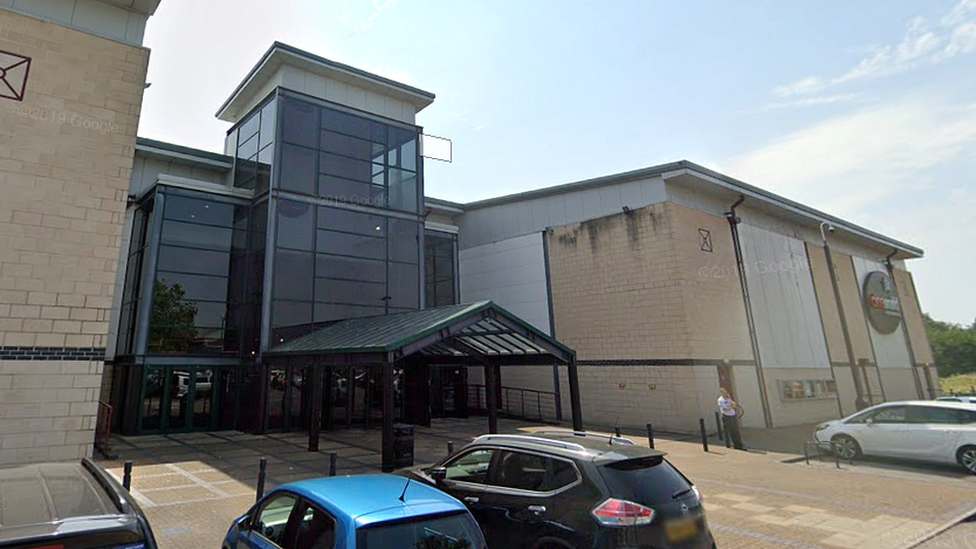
(262, 471)
(650, 435)
(704, 435)
(718, 425)
(332, 463)
(127, 475)
(450, 448)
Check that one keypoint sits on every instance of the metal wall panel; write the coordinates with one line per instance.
(890, 350)
(783, 300)
(495, 223)
(512, 273)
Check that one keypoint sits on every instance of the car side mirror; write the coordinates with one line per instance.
(437, 473)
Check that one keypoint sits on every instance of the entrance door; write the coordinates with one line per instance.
(183, 398)
(225, 387)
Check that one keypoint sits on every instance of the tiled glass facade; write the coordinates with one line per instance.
(334, 230)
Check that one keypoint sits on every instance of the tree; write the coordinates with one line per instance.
(954, 346)
(172, 320)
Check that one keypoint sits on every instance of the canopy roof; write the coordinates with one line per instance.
(476, 333)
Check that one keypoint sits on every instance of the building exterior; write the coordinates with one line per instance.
(70, 97)
(166, 282)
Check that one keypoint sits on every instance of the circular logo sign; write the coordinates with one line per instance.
(881, 302)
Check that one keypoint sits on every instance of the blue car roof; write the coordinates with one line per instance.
(371, 499)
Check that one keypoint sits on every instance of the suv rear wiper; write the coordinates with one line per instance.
(680, 493)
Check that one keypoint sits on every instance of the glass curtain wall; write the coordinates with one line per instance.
(440, 269)
(348, 234)
(195, 308)
(131, 296)
(255, 148)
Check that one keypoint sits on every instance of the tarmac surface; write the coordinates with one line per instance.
(193, 485)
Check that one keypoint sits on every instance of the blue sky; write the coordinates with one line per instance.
(864, 110)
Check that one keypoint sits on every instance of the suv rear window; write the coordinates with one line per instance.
(648, 481)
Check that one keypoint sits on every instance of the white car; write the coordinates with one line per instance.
(963, 399)
(935, 431)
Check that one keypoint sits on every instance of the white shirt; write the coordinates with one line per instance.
(726, 406)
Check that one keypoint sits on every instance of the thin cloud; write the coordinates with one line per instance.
(379, 6)
(852, 159)
(813, 101)
(922, 45)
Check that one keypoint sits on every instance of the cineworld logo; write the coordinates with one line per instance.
(881, 302)
(887, 305)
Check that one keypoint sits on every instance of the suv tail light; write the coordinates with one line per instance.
(617, 512)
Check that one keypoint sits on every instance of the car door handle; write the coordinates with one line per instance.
(537, 509)
(471, 499)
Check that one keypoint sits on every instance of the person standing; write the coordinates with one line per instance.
(731, 412)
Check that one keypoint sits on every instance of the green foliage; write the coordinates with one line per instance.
(172, 319)
(954, 346)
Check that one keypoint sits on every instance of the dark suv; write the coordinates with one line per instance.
(560, 489)
(69, 506)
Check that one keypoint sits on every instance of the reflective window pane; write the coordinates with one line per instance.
(300, 124)
(346, 191)
(248, 147)
(349, 291)
(350, 268)
(298, 171)
(190, 260)
(196, 236)
(268, 115)
(404, 240)
(295, 225)
(350, 168)
(286, 314)
(403, 190)
(293, 275)
(349, 221)
(327, 312)
(350, 244)
(346, 145)
(181, 208)
(404, 288)
(345, 123)
(248, 128)
(193, 287)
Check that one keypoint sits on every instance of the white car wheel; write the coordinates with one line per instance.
(967, 458)
(846, 447)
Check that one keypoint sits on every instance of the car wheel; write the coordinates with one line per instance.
(966, 456)
(846, 447)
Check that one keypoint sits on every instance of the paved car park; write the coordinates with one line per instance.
(192, 485)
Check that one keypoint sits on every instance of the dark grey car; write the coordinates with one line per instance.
(69, 506)
(565, 490)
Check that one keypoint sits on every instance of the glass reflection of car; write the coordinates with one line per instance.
(560, 489)
(933, 431)
(966, 399)
(362, 511)
(69, 505)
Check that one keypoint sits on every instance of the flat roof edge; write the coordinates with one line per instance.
(797, 207)
(425, 97)
(187, 153)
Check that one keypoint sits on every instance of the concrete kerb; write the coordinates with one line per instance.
(938, 529)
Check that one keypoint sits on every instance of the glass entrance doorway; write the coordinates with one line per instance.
(354, 396)
(188, 398)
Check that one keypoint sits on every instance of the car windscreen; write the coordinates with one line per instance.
(648, 480)
(450, 531)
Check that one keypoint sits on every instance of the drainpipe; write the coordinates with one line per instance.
(750, 320)
(857, 370)
(904, 327)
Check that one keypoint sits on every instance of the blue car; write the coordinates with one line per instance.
(362, 511)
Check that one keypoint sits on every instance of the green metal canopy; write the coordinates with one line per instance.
(457, 334)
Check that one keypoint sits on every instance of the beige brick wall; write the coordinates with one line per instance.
(912, 317)
(47, 410)
(641, 314)
(710, 285)
(65, 162)
(899, 384)
(66, 155)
